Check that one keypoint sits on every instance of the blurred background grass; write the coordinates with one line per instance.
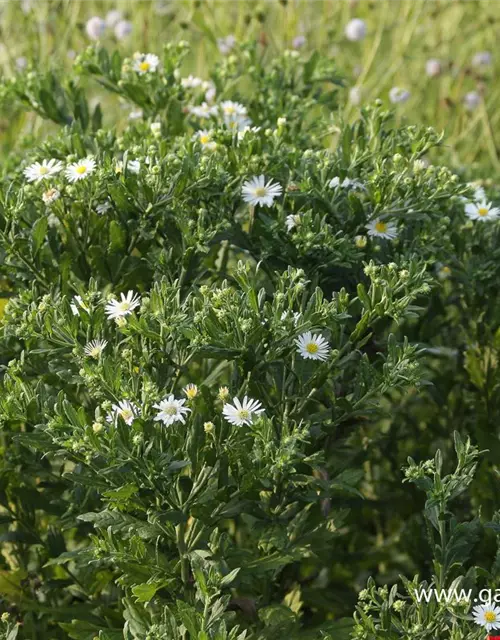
(402, 35)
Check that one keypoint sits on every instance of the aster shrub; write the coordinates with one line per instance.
(223, 315)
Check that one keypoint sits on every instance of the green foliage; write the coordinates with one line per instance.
(134, 503)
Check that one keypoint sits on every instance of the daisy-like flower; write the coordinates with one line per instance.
(292, 221)
(133, 166)
(50, 196)
(191, 82)
(487, 616)
(94, 348)
(312, 346)
(204, 137)
(190, 391)
(81, 169)
(103, 207)
(171, 410)
(203, 111)
(42, 170)
(145, 63)
(381, 229)
(257, 191)
(235, 115)
(226, 44)
(126, 410)
(481, 211)
(124, 307)
(240, 413)
(346, 183)
(77, 302)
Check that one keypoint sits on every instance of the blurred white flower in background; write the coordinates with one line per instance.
(226, 44)
(355, 95)
(123, 29)
(433, 67)
(113, 17)
(95, 28)
(472, 100)
(298, 42)
(482, 59)
(356, 30)
(398, 95)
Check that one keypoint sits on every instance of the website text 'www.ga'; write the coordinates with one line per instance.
(458, 595)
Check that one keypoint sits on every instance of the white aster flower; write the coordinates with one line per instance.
(257, 191)
(126, 410)
(346, 183)
(381, 229)
(191, 82)
(94, 348)
(124, 307)
(203, 110)
(234, 115)
(312, 346)
(78, 302)
(81, 169)
(50, 196)
(171, 410)
(42, 170)
(292, 221)
(123, 29)
(487, 616)
(433, 67)
(243, 132)
(204, 137)
(472, 100)
(355, 30)
(226, 44)
(95, 28)
(481, 211)
(398, 95)
(103, 207)
(132, 166)
(240, 413)
(145, 63)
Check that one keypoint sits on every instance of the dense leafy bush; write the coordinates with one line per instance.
(224, 321)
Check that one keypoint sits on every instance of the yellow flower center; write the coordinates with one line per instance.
(490, 616)
(95, 352)
(482, 211)
(260, 192)
(123, 306)
(81, 169)
(244, 414)
(204, 139)
(381, 227)
(229, 110)
(312, 347)
(126, 414)
(171, 411)
(144, 66)
(191, 392)
(43, 171)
